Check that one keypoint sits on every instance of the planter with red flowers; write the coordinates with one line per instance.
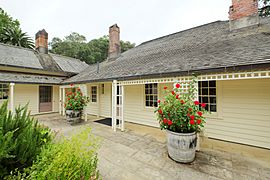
(182, 118)
(74, 105)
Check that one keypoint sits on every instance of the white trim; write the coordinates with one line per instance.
(224, 76)
(12, 97)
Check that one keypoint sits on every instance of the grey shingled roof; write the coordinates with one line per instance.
(27, 58)
(29, 78)
(206, 47)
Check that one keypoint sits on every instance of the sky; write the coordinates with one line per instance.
(139, 20)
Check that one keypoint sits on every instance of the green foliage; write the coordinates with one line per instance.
(75, 100)
(11, 33)
(21, 138)
(74, 158)
(179, 112)
(15, 36)
(7, 21)
(264, 9)
(75, 45)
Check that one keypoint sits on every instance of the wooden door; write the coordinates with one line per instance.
(45, 98)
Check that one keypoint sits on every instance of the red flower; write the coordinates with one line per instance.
(192, 117)
(160, 111)
(165, 87)
(177, 85)
(70, 104)
(68, 99)
(203, 105)
(192, 122)
(196, 102)
(71, 84)
(182, 101)
(177, 96)
(199, 121)
(190, 109)
(173, 92)
(158, 101)
(79, 89)
(169, 114)
(169, 122)
(165, 121)
(188, 114)
(199, 113)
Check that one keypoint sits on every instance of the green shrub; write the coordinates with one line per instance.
(21, 139)
(73, 158)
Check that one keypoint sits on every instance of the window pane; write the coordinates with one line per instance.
(213, 100)
(204, 83)
(212, 91)
(213, 108)
(205, 99)
(155, 91)
(212, 83)
(205, 91)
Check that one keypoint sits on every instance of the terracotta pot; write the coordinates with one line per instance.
(181, 146)
(73, 116)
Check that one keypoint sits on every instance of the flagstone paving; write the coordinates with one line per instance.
(135, 155)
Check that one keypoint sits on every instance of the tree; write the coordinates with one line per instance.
(11, 33)
(76, 46)
(16, 37)
(264, 10)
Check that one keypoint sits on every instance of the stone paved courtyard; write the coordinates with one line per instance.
(140, 155)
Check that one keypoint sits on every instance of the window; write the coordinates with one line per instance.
(102, 89)
(94, 93)
(207, 95)
(4, 91)
(45, 94)
(151, 95)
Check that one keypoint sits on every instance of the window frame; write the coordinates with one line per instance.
(145, 98)
(91, 92)
(201, 94)
(4, 89)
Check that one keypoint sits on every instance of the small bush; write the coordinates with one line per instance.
(21, 139)
(74, 158)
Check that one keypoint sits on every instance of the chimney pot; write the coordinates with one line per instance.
(114, 42)
(42, 41)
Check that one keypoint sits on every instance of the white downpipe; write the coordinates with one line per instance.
(114, 104)
(60, 101)
(64, 100)
(12, 97)
(122, 109)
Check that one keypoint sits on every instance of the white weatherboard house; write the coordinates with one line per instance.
(231, 59)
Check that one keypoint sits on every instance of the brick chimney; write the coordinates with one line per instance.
(114, 42)
(42, 41)
(243, 13)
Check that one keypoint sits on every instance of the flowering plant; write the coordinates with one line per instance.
(75, 100)
(179, 112)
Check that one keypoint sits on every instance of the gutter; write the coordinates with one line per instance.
(263, 66)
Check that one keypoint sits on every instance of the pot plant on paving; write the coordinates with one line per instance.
(74, 105)
(182, 118)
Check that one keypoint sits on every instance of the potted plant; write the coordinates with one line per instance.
(74, 105)
(182, 118)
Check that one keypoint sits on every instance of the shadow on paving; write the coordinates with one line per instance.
(130, 155)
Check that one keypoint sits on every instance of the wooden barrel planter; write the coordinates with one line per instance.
(181, 146)
(73, 116)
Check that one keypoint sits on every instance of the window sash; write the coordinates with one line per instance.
(4, 91)
(208, 95)
(93, 93)
(151, 95)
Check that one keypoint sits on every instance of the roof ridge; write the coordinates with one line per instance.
(18, 47)
(59, 55)
(143, 43)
